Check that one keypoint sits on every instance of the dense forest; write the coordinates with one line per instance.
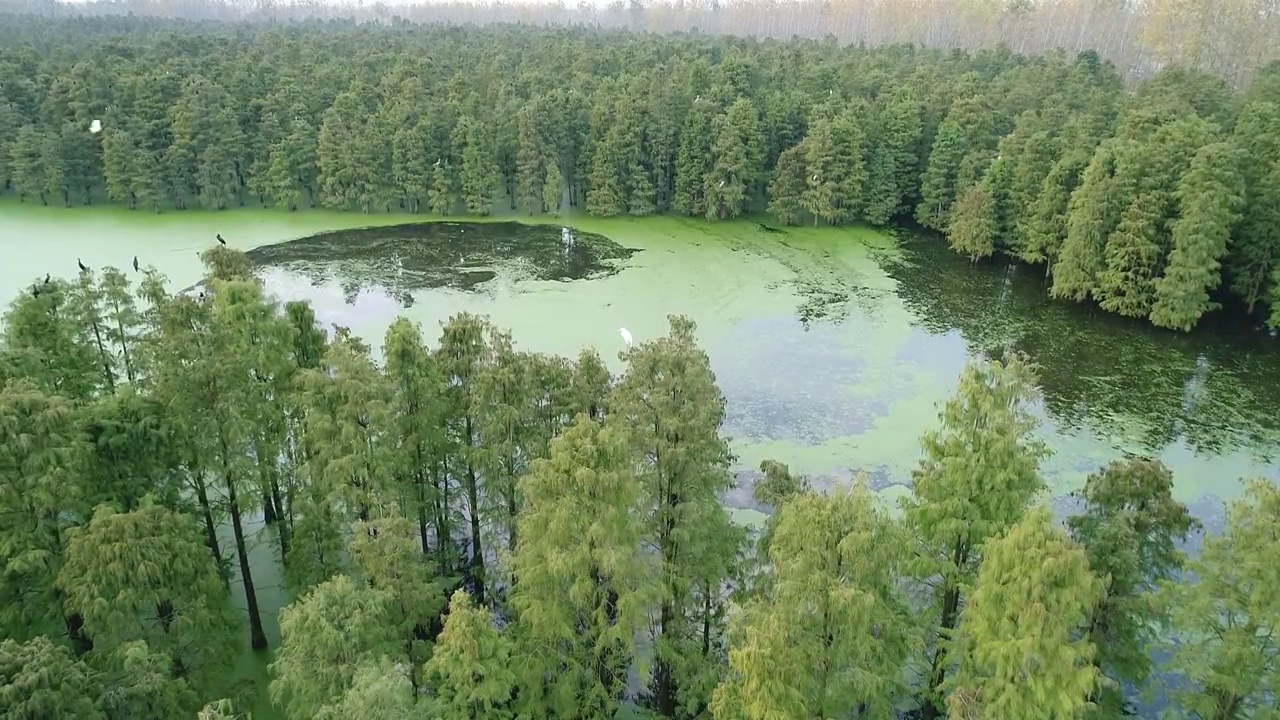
(1160, 202)
(475, 531)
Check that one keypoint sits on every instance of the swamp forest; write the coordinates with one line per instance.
(952, 390)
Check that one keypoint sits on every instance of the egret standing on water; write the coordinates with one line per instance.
(626, 336)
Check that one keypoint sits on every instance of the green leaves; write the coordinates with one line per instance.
(40, 679)
(1225, 623)
(583, 582)
(1019, 649)
(325, 637)
(147, 576)
(470, 670)
(1129, 528)
(834, 616)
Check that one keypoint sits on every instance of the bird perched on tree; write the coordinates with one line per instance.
(220, 240)
(83, 268)
(95, 127)
(135, 264)
(47, 277)
(626, 336)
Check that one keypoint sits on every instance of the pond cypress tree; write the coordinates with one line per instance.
(41, 679)
(788, 186)
(834, 615)
(1129, 526)
(42, 453)
(470, 669)
(583, 581)
(146, 575)
(1019, 651)
(1255, 240)
(417, 406)
(669, 400)
(1209, 197)
(325, 638)
(1226, 620)
(463, 353)
(979, 472)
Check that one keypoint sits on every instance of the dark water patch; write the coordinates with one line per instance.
(1216, 389)
(786, 380)
(405, 258)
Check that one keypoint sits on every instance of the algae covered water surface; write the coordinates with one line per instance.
(833, 346)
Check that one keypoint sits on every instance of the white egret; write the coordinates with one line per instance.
(815, 177)
(95, 127)
(626, 336)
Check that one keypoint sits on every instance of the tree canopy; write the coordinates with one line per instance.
(1156, 203)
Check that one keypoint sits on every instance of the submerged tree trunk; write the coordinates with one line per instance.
(933, 707)
(257, 637)
(282, 524)
(210, 528)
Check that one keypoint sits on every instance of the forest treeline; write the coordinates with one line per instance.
(1229, 38)
(471, 531)
(1163, 203)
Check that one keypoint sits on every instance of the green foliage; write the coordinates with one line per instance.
(147, 575)
(1020, 653)
(41, 680)
(386, 554)
(470, 670)
(379, 691)
(325, 638)
(973, 227)
(583, 581)
(669, 400)
(1129, 526)
(1209, 197)
(979, 472)
(1226, 621)
(835, 616)
(41, 454)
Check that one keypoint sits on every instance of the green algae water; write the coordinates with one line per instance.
(833, 347)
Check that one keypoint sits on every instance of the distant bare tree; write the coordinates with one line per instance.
(1230, 38)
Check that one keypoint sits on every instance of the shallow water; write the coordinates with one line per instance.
(832, 346)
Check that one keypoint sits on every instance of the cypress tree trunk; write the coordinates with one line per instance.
(933, 709)
(210, 529)
(257, 637)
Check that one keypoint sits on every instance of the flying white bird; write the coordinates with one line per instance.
(95, 127)
(626, 336)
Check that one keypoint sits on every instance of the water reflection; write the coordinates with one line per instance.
(1217, 389)
(401, 259)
